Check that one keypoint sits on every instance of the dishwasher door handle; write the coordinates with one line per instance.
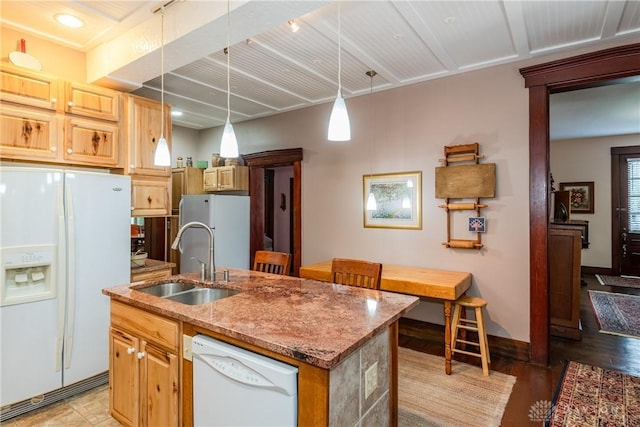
(237, 371)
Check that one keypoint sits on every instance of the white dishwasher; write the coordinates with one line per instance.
(235, 387)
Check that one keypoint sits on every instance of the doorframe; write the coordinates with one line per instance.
(257, 163)
(607, 66)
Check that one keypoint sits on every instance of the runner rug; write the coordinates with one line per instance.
(429, 397)
(620, 281)
(592, 396)
(617, 314)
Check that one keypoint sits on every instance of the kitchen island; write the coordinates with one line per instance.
(332, 333)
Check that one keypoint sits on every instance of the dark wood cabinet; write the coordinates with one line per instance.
(565, 246)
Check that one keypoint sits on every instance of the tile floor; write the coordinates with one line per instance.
(87, 409)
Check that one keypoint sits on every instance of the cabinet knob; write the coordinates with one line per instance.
(130, 350)
(70, 104)
(69, 151)
(140, 355)
(53, 149)
(54, 100)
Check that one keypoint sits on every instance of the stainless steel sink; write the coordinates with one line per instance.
(201, 295)
(166, 289)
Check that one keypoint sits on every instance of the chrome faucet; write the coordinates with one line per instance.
(195, 224)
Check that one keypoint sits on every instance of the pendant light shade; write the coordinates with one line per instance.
(371, 202)
(339, 127)
(162, 156)
(229, 143)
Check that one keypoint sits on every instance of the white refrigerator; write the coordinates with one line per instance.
(64, 237)
(228, 216)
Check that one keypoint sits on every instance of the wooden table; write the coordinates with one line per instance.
(442, 285)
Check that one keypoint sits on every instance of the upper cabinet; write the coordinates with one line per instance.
(92, 101)
(49, 120)
(150, 184)
(25, 87)
(142, 122)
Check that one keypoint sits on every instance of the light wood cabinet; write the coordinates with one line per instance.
(92, 101)
(142, 124)
(565, 245)
(144, 370)
(25, 87)
(184, 181)
(151, 275)
(150, 184)
(226, 178)
(29, 134)
(150, 196)
(49, 120)
(91, 142)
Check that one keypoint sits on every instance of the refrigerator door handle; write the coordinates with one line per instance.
(180, 224)
(61, 275)
(71, 281)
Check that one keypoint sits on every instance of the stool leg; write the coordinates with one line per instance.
(484, 347)
(454, 326)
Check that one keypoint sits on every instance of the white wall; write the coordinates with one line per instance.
(589, 159)
(185, 142)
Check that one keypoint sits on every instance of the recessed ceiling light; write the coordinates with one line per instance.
(294, 26)
(176, 113)
(69, 20)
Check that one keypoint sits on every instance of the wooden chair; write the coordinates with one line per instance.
(272, 262)
(353, 272)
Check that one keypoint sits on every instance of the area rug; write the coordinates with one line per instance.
(620, 281)
(429, 397)
(617, 314)
(591, 396)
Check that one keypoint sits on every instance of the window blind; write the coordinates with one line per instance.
(633, 196)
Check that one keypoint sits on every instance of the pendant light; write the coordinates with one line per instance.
(229, 143)
(162, 156)
(339, 128)
(371, 198)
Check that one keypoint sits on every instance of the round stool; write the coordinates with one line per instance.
(477, 325)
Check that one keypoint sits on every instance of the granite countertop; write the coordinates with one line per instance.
(315, 322)
(152, 265)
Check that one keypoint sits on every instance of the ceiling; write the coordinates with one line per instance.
(274, 70)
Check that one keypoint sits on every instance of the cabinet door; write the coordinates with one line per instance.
(177, 186)
(211, 179)
(143, 131)
(150, 197)
(124, 377)
(26, 87)
(233, 178)
(28, 134)
(92, 101)
(160, 387)
(91, 142)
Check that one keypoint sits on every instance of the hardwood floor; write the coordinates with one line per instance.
(533, 384)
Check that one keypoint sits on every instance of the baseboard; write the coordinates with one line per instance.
(499, 346)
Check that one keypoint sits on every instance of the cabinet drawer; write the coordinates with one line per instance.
(149, 326)
(92, 101)
(151, 275)
(26, 134)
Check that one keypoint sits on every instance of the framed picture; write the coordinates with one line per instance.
(581, 196)
(397, 200)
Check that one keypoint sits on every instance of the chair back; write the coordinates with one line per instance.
(272, 262)
(353, 272)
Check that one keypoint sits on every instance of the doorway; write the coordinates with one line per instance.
(625, 214)
(581, 71)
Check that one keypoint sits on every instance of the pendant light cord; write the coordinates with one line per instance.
(162, 73)
(339, 50)
(228, 62)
